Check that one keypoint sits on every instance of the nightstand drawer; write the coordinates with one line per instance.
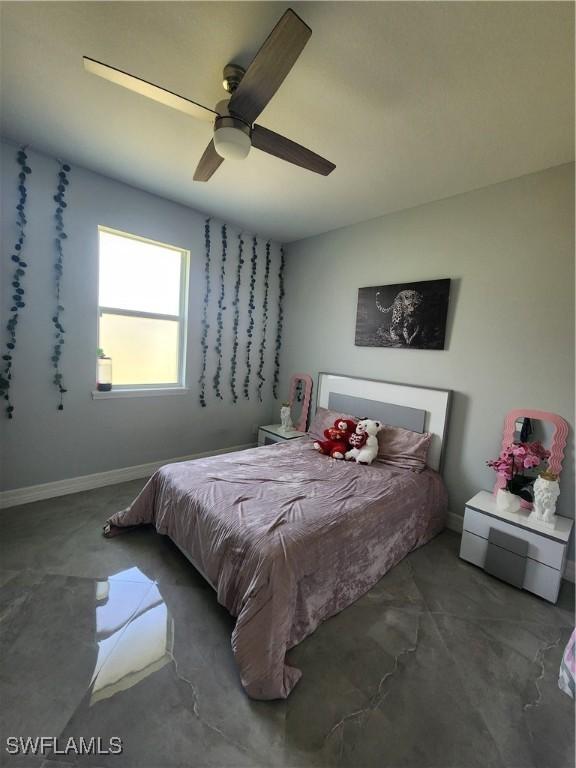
(538, 578)
(264, 438)
(274, 433)
(506, 557)
(540, 548)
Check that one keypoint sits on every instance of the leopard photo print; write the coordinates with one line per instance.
(403, 315)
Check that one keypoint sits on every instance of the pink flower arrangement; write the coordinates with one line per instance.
(516, 458)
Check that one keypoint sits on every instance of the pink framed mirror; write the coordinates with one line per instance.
(299, 398)
(524, 425)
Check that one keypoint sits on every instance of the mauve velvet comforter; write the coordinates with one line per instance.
(287, 538)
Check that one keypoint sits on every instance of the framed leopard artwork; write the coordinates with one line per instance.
(406, 315)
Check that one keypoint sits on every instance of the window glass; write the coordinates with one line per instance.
(138, 275)
(143, 350)
(142, 310)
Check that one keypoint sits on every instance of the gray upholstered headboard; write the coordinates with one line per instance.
(421, 409)
(389, 413)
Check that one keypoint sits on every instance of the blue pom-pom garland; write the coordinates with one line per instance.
(17, 282)
(205, 324)
(251, 308)
(220, 317)
(61, 235)
(261, 377)
(279, 324)
(236, 320)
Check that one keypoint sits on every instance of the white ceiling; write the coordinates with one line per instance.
(413, 101)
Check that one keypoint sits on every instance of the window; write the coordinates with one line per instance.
(142, 310)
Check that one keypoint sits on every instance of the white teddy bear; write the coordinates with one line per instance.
(365, 442)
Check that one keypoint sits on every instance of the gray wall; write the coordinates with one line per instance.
(510, 342)
(40, 444)
(509, 250)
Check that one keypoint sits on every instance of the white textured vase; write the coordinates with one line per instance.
(546, 494)
(286, 418)
(506, 501)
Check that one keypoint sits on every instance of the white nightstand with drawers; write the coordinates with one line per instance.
(273, 433)
(514, 548)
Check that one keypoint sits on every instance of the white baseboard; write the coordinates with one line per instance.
(455, 521)
(98, 480)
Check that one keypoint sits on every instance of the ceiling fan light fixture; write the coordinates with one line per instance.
(249, 91)
(232, 138)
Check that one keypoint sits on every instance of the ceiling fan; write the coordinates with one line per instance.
(250, 91)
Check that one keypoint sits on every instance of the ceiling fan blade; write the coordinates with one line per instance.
(279, 146)
(270, 66)
(209, 163)
(144, 88)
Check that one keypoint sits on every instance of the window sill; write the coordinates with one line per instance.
(120, 393)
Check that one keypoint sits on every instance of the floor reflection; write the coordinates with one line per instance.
(132, 642)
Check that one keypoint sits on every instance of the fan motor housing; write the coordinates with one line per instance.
(229, 121)
(231, 77)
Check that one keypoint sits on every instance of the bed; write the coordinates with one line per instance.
(288, 537)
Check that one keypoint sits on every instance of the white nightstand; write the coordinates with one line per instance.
(514, 548)
(273, 433)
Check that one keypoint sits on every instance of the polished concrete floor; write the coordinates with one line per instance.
(438, 665)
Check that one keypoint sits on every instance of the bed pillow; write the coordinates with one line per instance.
(324, 418)
(403, 448)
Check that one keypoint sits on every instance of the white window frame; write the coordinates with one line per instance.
(181, 318)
